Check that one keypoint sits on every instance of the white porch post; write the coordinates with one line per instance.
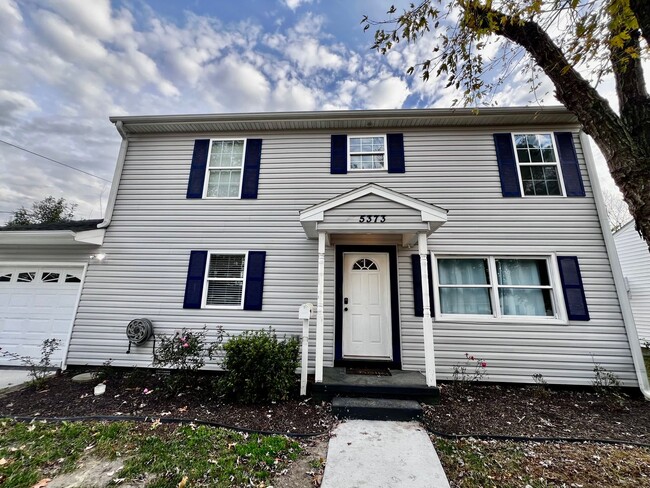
(427, 325)
(320, 319)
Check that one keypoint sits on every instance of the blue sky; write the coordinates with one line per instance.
(69, 64)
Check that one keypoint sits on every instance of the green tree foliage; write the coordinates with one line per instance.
(47, 211)
(478, 44)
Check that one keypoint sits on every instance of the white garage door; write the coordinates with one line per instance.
(36, 303)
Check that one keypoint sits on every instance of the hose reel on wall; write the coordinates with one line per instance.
(138, 332)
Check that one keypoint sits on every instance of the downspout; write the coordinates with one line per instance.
(108, 215)
(617, 272)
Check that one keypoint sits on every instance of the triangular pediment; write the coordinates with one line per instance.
(372, 208)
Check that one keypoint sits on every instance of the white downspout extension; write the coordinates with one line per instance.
(427, 324)
(619, 280)
(320, 307)
(121, 157)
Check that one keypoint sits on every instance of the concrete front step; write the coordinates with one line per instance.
(376, 409)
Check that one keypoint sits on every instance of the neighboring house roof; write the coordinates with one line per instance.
(72, 232)
(344, 119)
(625, 226)
(74, 225)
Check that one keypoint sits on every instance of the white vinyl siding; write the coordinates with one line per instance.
(634, 256)
(155, 227)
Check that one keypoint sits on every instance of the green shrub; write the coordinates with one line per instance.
(259, 367)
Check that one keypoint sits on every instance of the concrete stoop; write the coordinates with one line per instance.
(376, 409)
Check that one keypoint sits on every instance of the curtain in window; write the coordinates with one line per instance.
(524, 301)
(463, 299)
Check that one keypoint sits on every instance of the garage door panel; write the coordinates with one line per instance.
(32, 311)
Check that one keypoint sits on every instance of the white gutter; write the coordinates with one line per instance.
(619, 280)
(121, 157)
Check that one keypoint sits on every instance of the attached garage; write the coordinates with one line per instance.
(42, 268)
(37, 303)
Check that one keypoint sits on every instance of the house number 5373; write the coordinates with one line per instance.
(372, 219)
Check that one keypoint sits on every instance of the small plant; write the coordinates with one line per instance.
(186, 351)
(38, 370)
(540, 389)
(539, 380)
(259, 367)
(607, 384)
(473, 370)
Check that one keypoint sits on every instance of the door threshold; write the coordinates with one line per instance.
(368, 363)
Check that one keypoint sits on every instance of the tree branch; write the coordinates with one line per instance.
(641, 10)
(593, 111)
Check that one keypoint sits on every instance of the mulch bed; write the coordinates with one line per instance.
(538, 412)
(142, 393)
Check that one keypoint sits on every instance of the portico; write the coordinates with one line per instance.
(367, 225)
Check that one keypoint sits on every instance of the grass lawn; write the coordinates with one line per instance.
(471, 463)
(163, 455)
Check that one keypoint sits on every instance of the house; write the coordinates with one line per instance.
(418, 235)
(635, 261)
(42, 268)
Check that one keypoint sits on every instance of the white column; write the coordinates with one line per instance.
(320, 312)
(427, 325)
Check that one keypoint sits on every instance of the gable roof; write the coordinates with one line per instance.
(432, 215)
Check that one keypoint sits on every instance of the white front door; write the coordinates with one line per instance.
(366, 306)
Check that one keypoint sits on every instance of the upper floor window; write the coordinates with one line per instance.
(225, 168)
(366, 152)
(539, 168)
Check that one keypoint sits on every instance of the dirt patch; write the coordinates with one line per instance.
(90, 473)
(144, 395)
(531, 411)
(308, 469)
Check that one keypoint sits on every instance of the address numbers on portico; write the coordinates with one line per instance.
(371, 219)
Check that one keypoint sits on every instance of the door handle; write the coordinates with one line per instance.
(345, 309)
(345, 301)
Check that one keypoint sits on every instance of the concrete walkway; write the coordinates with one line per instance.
(379, 454)
(13, 377)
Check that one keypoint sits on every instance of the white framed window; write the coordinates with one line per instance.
(538, 164)
(225, 282)
(225, 168)
(504, 288)
(367, 153)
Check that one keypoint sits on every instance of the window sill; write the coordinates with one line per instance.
(223, 307)
(503, 320)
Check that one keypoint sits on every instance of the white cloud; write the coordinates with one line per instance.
(14, 104)
(294, 4)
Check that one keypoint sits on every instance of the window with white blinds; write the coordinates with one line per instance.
(224, 285)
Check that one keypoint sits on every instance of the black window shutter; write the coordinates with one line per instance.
(574, 292)
(251, 168)
(195, 278)
(339, 154)
(570, 166)
(417, 285)
(395, 153)
(254, 280)
(508, 172)
(197, 170)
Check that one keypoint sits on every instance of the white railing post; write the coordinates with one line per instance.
(320, 312)
(427, 324)
(304, 313)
